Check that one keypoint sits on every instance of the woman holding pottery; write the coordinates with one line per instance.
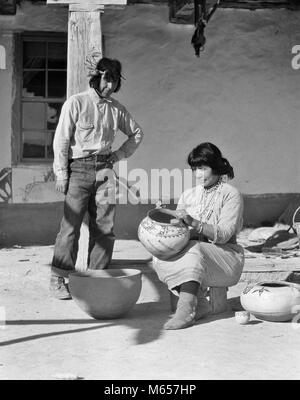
(213, 209)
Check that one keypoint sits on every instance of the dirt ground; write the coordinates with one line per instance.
(45, 338)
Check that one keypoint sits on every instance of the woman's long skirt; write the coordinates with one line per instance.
(207, 263)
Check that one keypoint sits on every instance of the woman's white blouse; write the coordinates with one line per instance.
(223, 209)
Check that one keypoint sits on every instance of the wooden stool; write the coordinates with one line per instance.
(217, 297)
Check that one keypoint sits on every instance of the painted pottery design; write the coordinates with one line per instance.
(272, 301)
(106, 294)
(161, 238)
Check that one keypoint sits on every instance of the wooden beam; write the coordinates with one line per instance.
(86, 3)
(256, 4)
(243, 4)
(86, 8)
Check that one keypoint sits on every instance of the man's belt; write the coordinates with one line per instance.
(95, 157)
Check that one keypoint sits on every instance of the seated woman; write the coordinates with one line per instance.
(214, 209)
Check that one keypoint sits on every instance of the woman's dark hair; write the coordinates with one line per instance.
(209, 154)
(113, 72)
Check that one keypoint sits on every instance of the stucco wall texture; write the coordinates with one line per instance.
(241, 94)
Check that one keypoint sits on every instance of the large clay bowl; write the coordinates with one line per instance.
(105, 294)
(272, 301)
(161, 238)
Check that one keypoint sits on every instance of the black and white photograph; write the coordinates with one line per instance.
(149, 193)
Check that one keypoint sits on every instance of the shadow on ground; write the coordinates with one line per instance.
(45, 335)
(146, 319)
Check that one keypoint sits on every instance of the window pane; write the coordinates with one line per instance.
(50, 138)
(33, 84)
(34, 55)
(33, 144)
(33, 116)
(57, 84)
(57, 55)
(53, 113)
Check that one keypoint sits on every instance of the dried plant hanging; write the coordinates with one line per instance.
(202, 16)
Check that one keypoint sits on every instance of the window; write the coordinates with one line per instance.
(44, 77)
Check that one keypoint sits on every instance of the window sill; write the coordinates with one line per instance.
(32, 164)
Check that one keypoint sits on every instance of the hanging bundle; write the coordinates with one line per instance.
(201, 20)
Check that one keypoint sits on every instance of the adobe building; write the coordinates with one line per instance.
(242, 94)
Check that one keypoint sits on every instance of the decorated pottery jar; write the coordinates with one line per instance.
(272, 301)
(160, 237)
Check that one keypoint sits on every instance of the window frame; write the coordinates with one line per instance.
(44, 37)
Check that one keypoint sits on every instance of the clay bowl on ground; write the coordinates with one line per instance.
(106, 294)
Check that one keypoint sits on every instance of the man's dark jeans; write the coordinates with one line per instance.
(91, 188)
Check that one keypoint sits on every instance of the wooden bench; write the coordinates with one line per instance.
(217, 297)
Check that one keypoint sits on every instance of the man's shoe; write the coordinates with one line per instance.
(59, 289)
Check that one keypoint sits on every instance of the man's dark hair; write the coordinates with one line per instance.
(113, 72)
(208, 154)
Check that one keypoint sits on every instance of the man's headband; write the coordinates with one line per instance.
(96, 72)
(91, 65)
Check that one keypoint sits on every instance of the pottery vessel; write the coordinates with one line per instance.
(242, 317)
(161, 238)
(296, 225)
(272, 301)
(105, 294)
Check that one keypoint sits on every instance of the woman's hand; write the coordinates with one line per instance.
(187, 219)
(194, 223)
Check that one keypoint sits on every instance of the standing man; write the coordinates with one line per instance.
(83, 159)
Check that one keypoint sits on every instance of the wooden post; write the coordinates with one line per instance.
(84, 40)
